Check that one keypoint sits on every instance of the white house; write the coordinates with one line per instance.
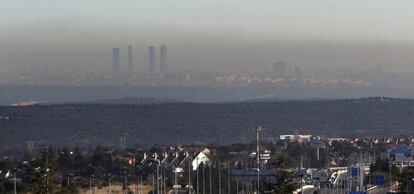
(200, 158)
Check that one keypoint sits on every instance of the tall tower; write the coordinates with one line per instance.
(116, 61)
(279, 69)
(163, 59)
(151, 62)
(297, 72)
(130, 60)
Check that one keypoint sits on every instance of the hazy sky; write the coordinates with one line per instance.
(208, 34)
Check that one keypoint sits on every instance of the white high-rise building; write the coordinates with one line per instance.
(163, 59)
(130, 60)
(116, 61)
(151, 62)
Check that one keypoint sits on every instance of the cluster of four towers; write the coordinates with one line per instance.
(116, 61)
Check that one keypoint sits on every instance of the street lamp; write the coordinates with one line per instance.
(197, 176)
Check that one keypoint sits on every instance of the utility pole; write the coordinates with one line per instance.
(219, 167)
(158, 178)
(228, 179)
(47, 183)
(390, 176)
(153, 183)
(15, 183)
(109, 185)
(90, 185)
(140, 185)
(125, 181)
(258, 157)
(163, 180)
(122, 143)
(175, 181)
(204, 182)
(317, 153)
(189, 176)
(237, 186)
(361, 173)
(211, 187)
(165, 187)
(197, 178)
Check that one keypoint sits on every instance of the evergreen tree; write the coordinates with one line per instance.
(284, 183)
(44, 179)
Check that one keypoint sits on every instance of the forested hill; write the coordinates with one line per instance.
(131, 100)
(163, 123)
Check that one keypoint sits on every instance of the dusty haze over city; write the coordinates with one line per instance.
(213, 35)
(207, 96)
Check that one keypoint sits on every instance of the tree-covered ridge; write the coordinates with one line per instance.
(104, 124)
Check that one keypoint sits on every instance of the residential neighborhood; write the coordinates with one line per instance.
(299, 163)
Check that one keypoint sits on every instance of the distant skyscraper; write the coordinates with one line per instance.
(297, 72)
(151, 62)
(279, 69)
(163, 59)
(130, 60)
(116, 61)
(379, 69)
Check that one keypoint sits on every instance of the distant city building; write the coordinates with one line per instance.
(379, 69)
(296, 138)
(297, 72)
(279, 69)
(163, 59)
(151, 62)
(116, 61)
(130, 60)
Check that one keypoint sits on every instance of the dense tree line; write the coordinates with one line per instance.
(65, 170)
(103, 124)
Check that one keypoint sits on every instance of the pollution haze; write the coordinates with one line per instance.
(208, 35)
(204, 51)
(206, 96)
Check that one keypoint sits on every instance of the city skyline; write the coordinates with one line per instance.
(209, 96)
(313, 35)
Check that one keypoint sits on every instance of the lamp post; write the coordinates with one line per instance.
(228, 179)
(153, 183)
(189, 176)
(109, 184)
(158, 178)
(219, 177)
(175, 181)
(140, 186)
(258, 157)
(125, 181)
(15, 183)
(211, 187)
(391, 176)
(197, 177)
(204, 185)
(165, 188)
